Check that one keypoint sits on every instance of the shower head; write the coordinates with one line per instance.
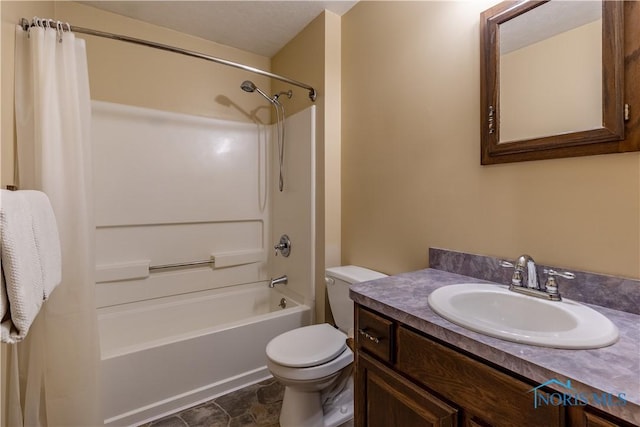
(249, 86)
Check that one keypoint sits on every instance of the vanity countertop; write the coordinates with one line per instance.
(614, 369)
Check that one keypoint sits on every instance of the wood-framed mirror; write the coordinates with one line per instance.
(552, 79)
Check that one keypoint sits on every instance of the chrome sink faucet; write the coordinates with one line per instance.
(525, 265)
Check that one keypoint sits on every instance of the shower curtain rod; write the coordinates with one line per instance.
(25, 24)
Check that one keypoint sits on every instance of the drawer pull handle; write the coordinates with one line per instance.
(367, 335)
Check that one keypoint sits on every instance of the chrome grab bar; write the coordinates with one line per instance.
(181, 265)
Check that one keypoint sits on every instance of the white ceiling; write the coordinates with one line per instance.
(261, 27)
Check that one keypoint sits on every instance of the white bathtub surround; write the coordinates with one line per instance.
(191, 189)
(31, 260)
(294, 208)
(54, 154)
(188, 349)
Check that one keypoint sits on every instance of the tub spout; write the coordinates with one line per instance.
(282, 280)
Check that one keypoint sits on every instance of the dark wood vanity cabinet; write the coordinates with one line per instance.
(405, 378)
(391, 400)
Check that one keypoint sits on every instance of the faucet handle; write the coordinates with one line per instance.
(506, 264)
(516, 279)
(278, 247)
(564, 274)
(283, 246)
(551, 286)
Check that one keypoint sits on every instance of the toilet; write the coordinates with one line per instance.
(315, 364)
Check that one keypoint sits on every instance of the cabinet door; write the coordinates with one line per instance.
(385, 399)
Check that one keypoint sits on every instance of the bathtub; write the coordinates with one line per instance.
(162, 356)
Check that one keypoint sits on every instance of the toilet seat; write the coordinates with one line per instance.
(289, 376)
(307, 346)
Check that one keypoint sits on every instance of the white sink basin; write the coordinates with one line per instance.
(496, 311)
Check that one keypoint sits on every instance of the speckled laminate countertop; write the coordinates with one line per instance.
(614, 369)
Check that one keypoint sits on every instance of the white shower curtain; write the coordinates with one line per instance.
(55, 372)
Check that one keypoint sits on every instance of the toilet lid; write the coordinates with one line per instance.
(307, 346)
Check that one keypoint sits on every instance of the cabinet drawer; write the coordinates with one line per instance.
(374, 334)
(486, 393)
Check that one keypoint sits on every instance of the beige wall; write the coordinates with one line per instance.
(411, 174)
(333, 141)
(313, 57)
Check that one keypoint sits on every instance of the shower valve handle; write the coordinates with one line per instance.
(283, 246)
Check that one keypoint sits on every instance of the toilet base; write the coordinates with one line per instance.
(301, 408)
(338, 415)
(305, 409)
(340, 409)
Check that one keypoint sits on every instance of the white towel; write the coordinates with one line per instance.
(30, 256)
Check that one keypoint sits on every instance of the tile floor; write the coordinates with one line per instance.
(257, 405)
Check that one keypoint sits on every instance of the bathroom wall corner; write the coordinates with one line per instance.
(311, 57)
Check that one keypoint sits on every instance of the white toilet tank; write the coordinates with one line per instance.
(338, 280)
